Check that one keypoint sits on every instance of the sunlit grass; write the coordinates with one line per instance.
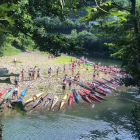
(64, 59)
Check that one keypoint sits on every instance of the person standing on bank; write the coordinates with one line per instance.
(15, 93)
(15, 61)
(22, 75)
(16, 81)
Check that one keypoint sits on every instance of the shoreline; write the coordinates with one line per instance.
(50, 84)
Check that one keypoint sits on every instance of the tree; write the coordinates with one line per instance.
(123, 31)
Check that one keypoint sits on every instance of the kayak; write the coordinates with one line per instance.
(99, 97)
(22, 95)
(48, 100)
(33, 98)
(2, 92)
(96, 89)
(9, 92)
(76, 97)
(63, 100)
(70, 99)
(41, 99)
(55, 100)
(85, 97)
(88, 92)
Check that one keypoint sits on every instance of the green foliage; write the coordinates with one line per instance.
(18, 106)
(74, 33)
(135, 120)
(122, 33)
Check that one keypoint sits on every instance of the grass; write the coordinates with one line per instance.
(16, 61)
(40, 86)
(9, 50)
(44, 53)
(64, 59)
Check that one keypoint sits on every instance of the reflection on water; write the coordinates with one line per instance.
(106, 121)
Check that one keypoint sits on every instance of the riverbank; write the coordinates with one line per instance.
(46, 83)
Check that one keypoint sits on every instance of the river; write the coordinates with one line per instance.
(104, 121)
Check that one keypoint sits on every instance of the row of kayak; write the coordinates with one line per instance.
(85, 94)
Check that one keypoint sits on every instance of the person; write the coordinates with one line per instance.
(64, 68)
(97, 73)
(72, 64)
(84, 63)
(16, 81)
(52, 56)
(33, 72)
(69, 81)
(38, 73)
(72, 70)
(49, 71)
(22, 75)
(69, 64)
(78, 76)
(15, 94)
(65, 77)
(93, 85)
(49, 56)
(15, 61)
(79, 63)
(75, 79)
(87, 68)
(64, 86)
(57, 70)
(94, 74)
(30, 72)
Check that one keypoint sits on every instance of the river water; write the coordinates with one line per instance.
(104, 121)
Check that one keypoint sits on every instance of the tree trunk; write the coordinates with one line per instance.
(0, 129)
(136, 29)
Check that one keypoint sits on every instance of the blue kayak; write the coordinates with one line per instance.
(76, 97)
(22, 95)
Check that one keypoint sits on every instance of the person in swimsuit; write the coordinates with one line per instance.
(30, 73)
(22, 75)
(49, 56)
(15, 94)
(94, 74)
(75, 79)
(15, 61)
(97, 73)
(38, 73)
(16, 81)
(64, 68)
(49, 71)
(72, 71)
(78, 76)
(57, 70)
(70, 81)
(87, 68)
(33, 72)
(64, 86)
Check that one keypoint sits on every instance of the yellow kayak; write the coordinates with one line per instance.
(55, 100)
(63, 100)
(33, 98)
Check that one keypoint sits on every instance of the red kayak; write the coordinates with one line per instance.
(70, 99)
(1, 93)
(85, 97)
(88, 92)
(97, 89)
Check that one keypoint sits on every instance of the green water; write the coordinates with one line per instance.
(104, 121)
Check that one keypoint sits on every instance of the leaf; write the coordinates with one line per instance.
(11, 19)
(4, 7)
(18, 106)
(109, 3)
